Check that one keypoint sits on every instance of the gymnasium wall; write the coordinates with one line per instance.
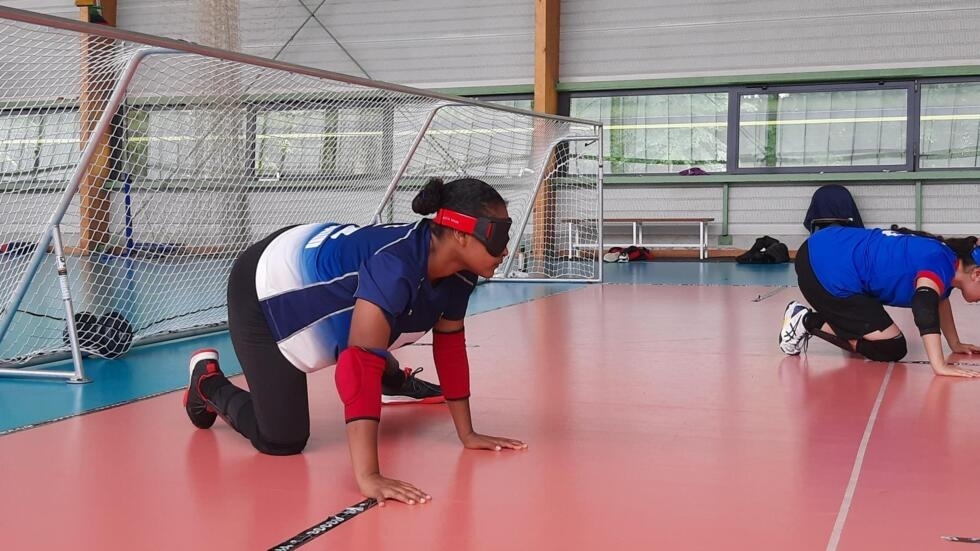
(458, 43)
(450, 43)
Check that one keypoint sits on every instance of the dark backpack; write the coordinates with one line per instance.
(830, 205)
(766, 250)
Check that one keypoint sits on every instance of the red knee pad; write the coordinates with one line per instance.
(358, 378)
(452, 365)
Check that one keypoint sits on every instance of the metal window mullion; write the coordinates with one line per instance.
(913, 126)
(976, 146)
(918, 205)
(734, 119)
(806, 113)
(854, 127)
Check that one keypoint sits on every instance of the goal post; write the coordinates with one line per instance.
(197, 153)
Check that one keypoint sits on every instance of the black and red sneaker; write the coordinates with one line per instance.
(412, 391)
(203, 365)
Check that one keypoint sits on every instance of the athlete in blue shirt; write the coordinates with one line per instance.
(849, 274)
(318, 295)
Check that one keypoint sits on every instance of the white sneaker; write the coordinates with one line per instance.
(793, 336)
(611, 257)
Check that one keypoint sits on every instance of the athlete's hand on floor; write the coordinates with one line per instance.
(965, 348)
(953, 371)
(381, 488)
(476, 441)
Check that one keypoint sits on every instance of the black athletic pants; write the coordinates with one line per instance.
(275, 415)
(850, 318)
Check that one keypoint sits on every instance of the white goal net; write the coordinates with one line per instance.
(157, 162)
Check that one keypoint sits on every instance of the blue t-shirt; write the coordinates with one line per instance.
(309, 277)
(879, 263)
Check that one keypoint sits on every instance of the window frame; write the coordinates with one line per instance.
(911, 126)
(918, 142)
(565, 103)
(735, 93)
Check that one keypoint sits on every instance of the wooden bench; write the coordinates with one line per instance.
(575, 243)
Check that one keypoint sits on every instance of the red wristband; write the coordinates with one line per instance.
(358, 379)
(452, 365)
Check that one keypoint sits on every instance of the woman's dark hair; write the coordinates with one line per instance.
(962, 246)
(466, 195)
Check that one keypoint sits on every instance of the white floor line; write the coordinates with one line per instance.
(845, 505)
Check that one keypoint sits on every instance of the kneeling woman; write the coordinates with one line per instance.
(848, 275)
(317, 295)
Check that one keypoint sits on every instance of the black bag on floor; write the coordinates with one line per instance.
(766, 250)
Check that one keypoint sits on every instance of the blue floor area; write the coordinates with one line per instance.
(151, 370)
(699, 273)
(143, 372)
(159, 368)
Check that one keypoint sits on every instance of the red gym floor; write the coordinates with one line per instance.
(657, 417)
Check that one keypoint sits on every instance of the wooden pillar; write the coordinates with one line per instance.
(546, 46)
(96, 87)
(91, 11)
(546, 37)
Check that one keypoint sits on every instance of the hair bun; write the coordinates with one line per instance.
(429, 198)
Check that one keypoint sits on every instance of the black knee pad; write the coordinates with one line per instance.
(278, 448)
(888, 350)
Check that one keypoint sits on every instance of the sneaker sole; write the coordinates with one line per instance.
(199, 355)
(399, 400)
(202, 354)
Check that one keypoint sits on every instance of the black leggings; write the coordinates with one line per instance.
(850, 318)
(275, 415)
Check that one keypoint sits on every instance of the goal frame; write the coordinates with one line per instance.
(49, 239)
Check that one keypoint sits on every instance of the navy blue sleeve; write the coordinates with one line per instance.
(459, 298)
(388, 282)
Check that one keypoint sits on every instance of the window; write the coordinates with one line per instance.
(174, 143)
(319, 141)
(949, 128)
(38, 146)
(817, 129)
(521, 103)
(665, 133)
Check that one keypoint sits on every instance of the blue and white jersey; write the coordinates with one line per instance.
(309, 277)
(879, 263)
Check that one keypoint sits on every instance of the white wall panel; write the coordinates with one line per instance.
(951, 209)
(443, 43)
(779, 210)
(423, 43)
(59, 8)
(174, 19)
(428, 43)
(775, 210)
(449, 43)
(662, 202)
(632, 39)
